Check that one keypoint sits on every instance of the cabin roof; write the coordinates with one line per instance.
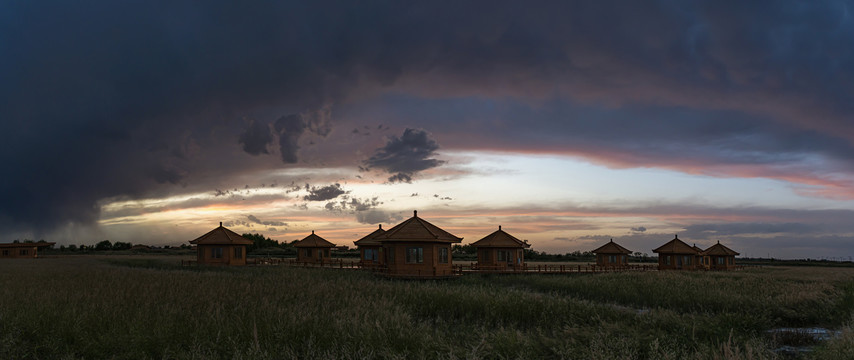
(720, 250)
(500, 239)
(27, 244)
(676, 246)
(221, 236)
(417, 229)
(611, 248)
(370, 239)
(314, 241)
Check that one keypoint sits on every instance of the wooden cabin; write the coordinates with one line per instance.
(612, 254)
(25, 250)
(719, 257)
(702, 261)
(370, 249)
(417, 248)
(314, 249)
(500, 251)
(677, 255)
(221, 246)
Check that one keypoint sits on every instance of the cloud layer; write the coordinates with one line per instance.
(115, 100)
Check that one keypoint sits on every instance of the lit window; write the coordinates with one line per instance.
(414, 255)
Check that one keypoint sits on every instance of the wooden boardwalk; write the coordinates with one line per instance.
(460, 269)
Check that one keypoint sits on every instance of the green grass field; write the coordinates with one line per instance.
(139, 307)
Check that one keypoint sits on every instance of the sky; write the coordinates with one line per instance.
(567, 123)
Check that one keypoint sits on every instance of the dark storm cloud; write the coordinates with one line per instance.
(255, 138)
(104, 99)
(324, 193)
(256, 220)
(406, 155)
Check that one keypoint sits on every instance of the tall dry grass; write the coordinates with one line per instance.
(137, 308)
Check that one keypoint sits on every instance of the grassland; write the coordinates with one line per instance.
(137, 307)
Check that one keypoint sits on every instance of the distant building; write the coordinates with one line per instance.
(417, 248)
(221, 246)
(500, 251)
(314, 249)
(370, 250)
(23, 250)
(612, 254)
(677, 255)
(719, 257)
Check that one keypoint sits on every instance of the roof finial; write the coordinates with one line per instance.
(719, 241)
(677, 236)
(499, 227)
(220, 224)
(312, 232)
(612, 239)
(381, 226)
(415, 213)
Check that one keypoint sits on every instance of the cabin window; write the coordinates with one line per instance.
(390, 254)
(371, 254)
(308, 253)
(443, 255)
(485, 254)
(687, 260)
(24, 252)
(721, 261)
(216, 253)
(414, 255)
(504, 256)
(612, 259)
(666, 259)
(623, 259)
(731, 261)
(238, 253)
(5, 252)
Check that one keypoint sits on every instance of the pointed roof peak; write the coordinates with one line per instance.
(611, 248)
(370, 239)
(416, 228)
(500, 238)
(676, 246)
(314, 241)
(221, 236)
